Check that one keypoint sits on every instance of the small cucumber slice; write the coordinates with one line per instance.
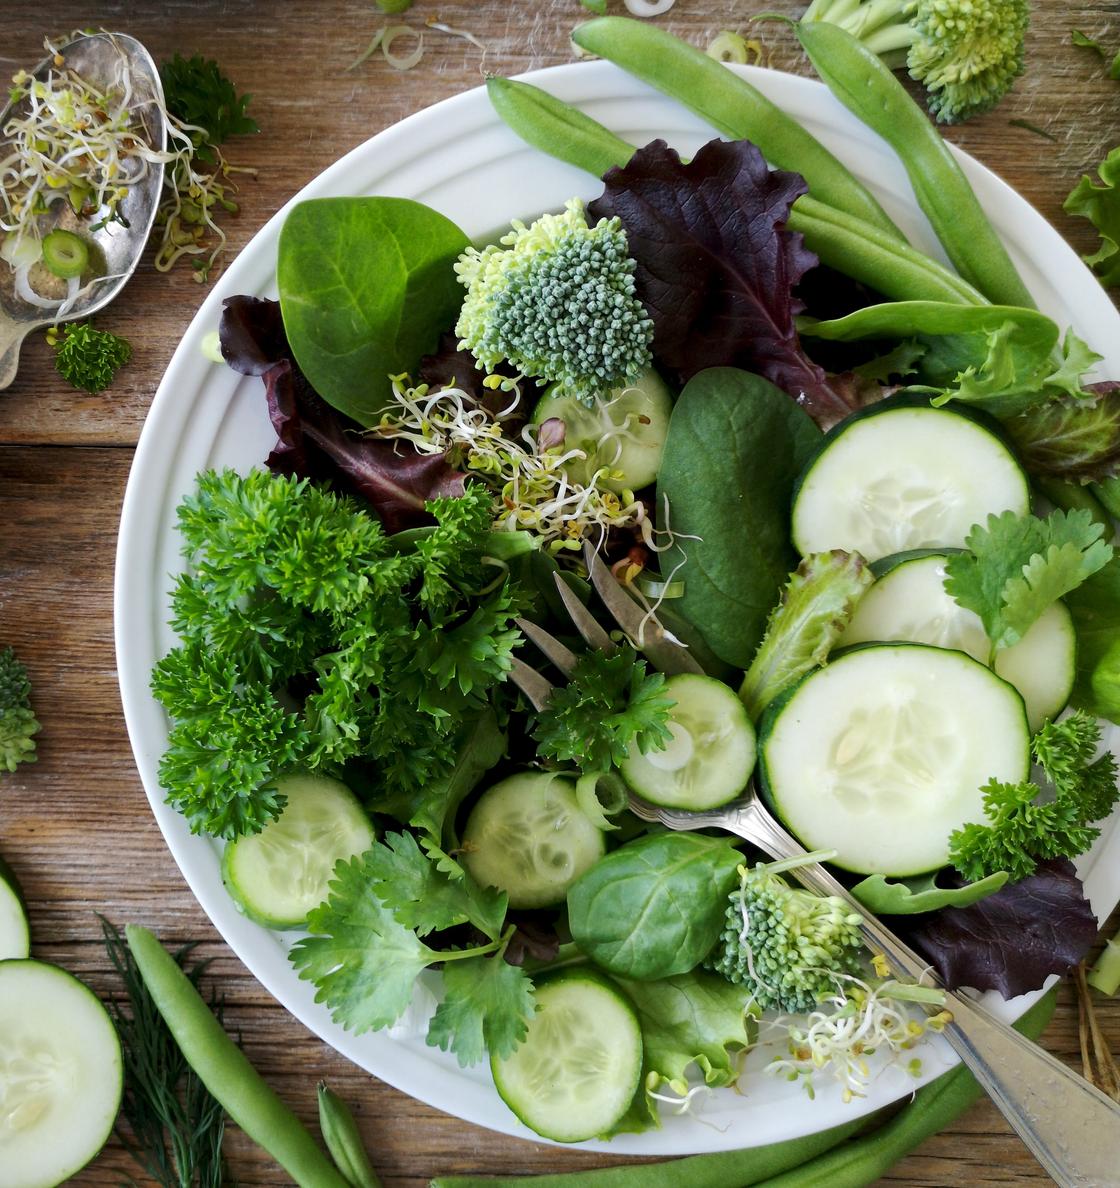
(15, 932)
(625, 432)
(881, 754)
(904, 476)
(528, 836)
(65, 254)
(711, 756)
(61, 1075)
(278, 876)
(578, 1070)
(909, 603)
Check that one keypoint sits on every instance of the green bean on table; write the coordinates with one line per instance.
(732, 106)
(839, 239)
(869, 89)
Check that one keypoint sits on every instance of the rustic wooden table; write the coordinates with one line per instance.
(76, 825)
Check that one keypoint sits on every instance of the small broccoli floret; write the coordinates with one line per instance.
(89, 358)
(557, 301)
(784, 944)
(966, 53)
(17, 722)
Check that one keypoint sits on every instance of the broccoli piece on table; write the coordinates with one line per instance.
(966, 53)
(786, 945)
(17, 722)
(556, 300)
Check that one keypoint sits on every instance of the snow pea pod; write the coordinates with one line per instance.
(841, 240)
(868, 88)
(732, 106)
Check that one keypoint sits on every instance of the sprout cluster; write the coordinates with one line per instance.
(557, 301)
(786, 945)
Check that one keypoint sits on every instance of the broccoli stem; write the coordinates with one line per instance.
(1105, 974)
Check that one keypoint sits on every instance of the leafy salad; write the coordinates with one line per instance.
(825, 489)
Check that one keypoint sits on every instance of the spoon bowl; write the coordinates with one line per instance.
(100, 59)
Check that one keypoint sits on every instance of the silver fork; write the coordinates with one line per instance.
(1071, 1127)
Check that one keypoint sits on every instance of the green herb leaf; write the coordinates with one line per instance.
(90, 359)
(486, 1007)
(1101, 206)
(1018, 565)
(198, 93)
(922, 894)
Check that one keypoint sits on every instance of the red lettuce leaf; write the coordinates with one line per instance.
(1072, 439)
(1012, 940)
(716, 267)
(315, 440)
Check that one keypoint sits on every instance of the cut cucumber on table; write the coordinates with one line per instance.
(278, 876)
(15, 932)
(903, 475)
(578, 1070)
(625, 433)
(909, 603)
(528, 836)
(882, 753)
(61, 1075)
(710, 757)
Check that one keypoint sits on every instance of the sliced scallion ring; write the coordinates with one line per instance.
(660, 590)
(648, 8)
(65, 254)
(600, 795)
(395, 60)
(729, 47)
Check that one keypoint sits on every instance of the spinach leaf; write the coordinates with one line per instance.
(735, 446)
(922, 894)
(655, 907)
(366, 287)
(1095, 607)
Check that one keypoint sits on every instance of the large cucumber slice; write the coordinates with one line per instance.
(60, 1075)
(528, 837)
(909, 603)
(623, 433)
(578, 1070)
(881, 754)
(711, 756)
(904, 476)
(15, 932)
(278, 876)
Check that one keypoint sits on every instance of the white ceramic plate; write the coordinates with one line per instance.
(458, 158)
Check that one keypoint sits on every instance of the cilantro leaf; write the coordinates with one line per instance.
(486, 1006)
(364, 961)
(1018, 566)
(609, 704)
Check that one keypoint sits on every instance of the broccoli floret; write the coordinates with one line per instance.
(966, 53)
(89, 358)
(785, 944)
(557, 301)
(17, 722)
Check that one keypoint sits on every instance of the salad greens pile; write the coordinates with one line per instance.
(356, 610)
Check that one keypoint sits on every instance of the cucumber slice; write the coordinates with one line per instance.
(580, 1065)
(61, 1075)
(15, 932)
(65, 254)
(279, 876)
(881, 754)
(904, 476)
(528, 836)
(624, 433)
(909, 603)
(711, 756)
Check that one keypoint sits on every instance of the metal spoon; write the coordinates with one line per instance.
(96, 58)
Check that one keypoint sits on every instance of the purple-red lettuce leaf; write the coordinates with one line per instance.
(716, 266)
(318, 442)
(1072, 439)
(1012, 940)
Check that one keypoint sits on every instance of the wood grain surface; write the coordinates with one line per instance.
(76, 825)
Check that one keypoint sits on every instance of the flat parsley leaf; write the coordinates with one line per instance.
(609, 704)
(1018, 566)
(486, 1006)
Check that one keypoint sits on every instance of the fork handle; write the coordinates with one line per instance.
(1072, 1128)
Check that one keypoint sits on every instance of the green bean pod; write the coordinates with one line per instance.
(344, 1141)
(732, 106)
(225, 1070)
(840, 240)
(555, 127)
(1072, 496)
(867, 87)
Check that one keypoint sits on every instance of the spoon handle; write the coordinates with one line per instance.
(1071, 1128)
(11, 337)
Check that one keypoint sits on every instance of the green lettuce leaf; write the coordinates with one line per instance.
(1095, 607)
(1101, 206)
(1077, 440)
